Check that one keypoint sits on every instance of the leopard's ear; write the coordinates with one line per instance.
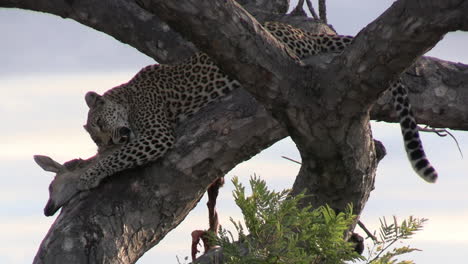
(93, 99)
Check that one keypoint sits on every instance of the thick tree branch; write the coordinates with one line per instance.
(271, 6)
(439, 92)
(390, 44)
(323, 10)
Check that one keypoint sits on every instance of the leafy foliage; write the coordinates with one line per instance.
(391, 233)
(280, 231)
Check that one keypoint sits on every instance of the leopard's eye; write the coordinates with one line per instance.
(98, 123)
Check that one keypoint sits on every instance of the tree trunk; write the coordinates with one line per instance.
(325, 106)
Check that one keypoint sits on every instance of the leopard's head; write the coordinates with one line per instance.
(107, 122)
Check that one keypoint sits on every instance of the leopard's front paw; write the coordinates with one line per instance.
(88, 180)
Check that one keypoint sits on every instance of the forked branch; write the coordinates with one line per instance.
(323, 10)
(312, 10)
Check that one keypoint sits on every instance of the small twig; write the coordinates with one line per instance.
(323, 10)
(383, 250)
(369, 234)
(441, 132)
(291, 160)
(312, 10)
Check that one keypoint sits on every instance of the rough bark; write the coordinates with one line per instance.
(133, 211)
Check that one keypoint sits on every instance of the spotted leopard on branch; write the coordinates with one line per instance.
(140, 115)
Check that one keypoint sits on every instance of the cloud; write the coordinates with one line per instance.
(60, 45)
(58, 144)
(21, 237)
(441, 226)
(446, 227)
(45, 114)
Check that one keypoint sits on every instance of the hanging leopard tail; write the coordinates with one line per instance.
(409, 129)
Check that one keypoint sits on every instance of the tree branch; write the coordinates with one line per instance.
(312, 10)
(439, 90)
(389, 45)
(271, 6)
(323, 10)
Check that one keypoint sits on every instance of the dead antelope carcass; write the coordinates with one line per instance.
(64, 185)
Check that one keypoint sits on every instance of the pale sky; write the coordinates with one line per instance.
(49, 63)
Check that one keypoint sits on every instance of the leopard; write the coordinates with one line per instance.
(140, 116)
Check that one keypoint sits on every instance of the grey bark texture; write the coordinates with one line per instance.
(324, 105)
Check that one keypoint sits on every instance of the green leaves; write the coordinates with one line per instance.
(280, 231)
(391, 233)
(405, 230)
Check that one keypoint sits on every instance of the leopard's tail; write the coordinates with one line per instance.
(409, 129)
